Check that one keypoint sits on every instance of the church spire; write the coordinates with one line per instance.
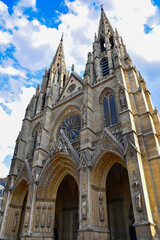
(105, 27)
(58, 73)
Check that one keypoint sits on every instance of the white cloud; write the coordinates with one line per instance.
(5, 37)
(11, 125)
(12, 71)
(28, 3)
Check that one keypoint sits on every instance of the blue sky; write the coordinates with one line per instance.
(30, 32)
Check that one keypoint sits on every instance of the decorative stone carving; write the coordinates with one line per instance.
(84, 210)
(15, 221)
(84, 204)
(116, 62)
(84, 118)
(101, 207)
(39, 138)
(128, 62)
(137, 193)
(49, 219)
(27, 217)
(60, 146)
(37, 219)
(138, 200)
(117, 132)
(43, 219)
(122, 99)
(49, 207)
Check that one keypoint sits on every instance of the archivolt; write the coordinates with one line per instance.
(53, 175)
(19, 193)
(102, 168)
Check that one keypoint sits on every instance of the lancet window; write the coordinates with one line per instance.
(43, 101)
(105, 66)
(110, 109)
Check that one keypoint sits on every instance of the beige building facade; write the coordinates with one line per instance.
(87, 159)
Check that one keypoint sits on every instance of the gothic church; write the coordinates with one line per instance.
(86, 163)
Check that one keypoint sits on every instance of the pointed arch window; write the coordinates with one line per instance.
(43, 101)
(102, 44)
(110, 110)
(105, 66)
(34, 143)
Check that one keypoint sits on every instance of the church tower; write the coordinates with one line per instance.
(86, 160)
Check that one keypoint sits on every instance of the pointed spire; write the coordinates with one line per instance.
(104, 24)
(58, 68)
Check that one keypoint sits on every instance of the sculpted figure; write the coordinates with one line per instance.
(60, 146)
(49, 218)
(27, 219)
(15, 222)
(122, 100)
(84, 210)
(37, 219)
(138, 200)
(43, 219)
(101, 208)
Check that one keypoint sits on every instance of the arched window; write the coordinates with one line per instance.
(35, 143)
(105, 66)
(102, 44)
(43, 101)
(64, 80)
(110, 110)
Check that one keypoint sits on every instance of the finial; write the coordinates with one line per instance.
(102, 7)
(95, 37)
(62, 37)
(72, 68)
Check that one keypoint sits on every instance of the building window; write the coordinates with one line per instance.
(102, 44)
(43, 101)
(34, 143)
(110, 110)
(105, 66)
(71, 127)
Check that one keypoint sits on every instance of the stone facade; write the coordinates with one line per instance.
(86, 161)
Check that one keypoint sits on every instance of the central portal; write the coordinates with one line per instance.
(66, 214)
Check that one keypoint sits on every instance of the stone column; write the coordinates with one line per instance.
(140, 200)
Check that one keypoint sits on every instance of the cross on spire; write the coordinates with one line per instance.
(102, 7)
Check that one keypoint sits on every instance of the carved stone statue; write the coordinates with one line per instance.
(27, 219)
(137, 193)
(122, 99)
(39, 138)
(43, 219)
(49, 219)
(15, 221)
(138, 200)
(60, 146)
(37, 219)
(84, 210)
(101, 208)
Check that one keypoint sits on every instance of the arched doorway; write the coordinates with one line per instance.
(119, 203)
(66, 212)
(21, 222)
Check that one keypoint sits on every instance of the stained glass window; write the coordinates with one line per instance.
(71, 127)
(110, 110)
